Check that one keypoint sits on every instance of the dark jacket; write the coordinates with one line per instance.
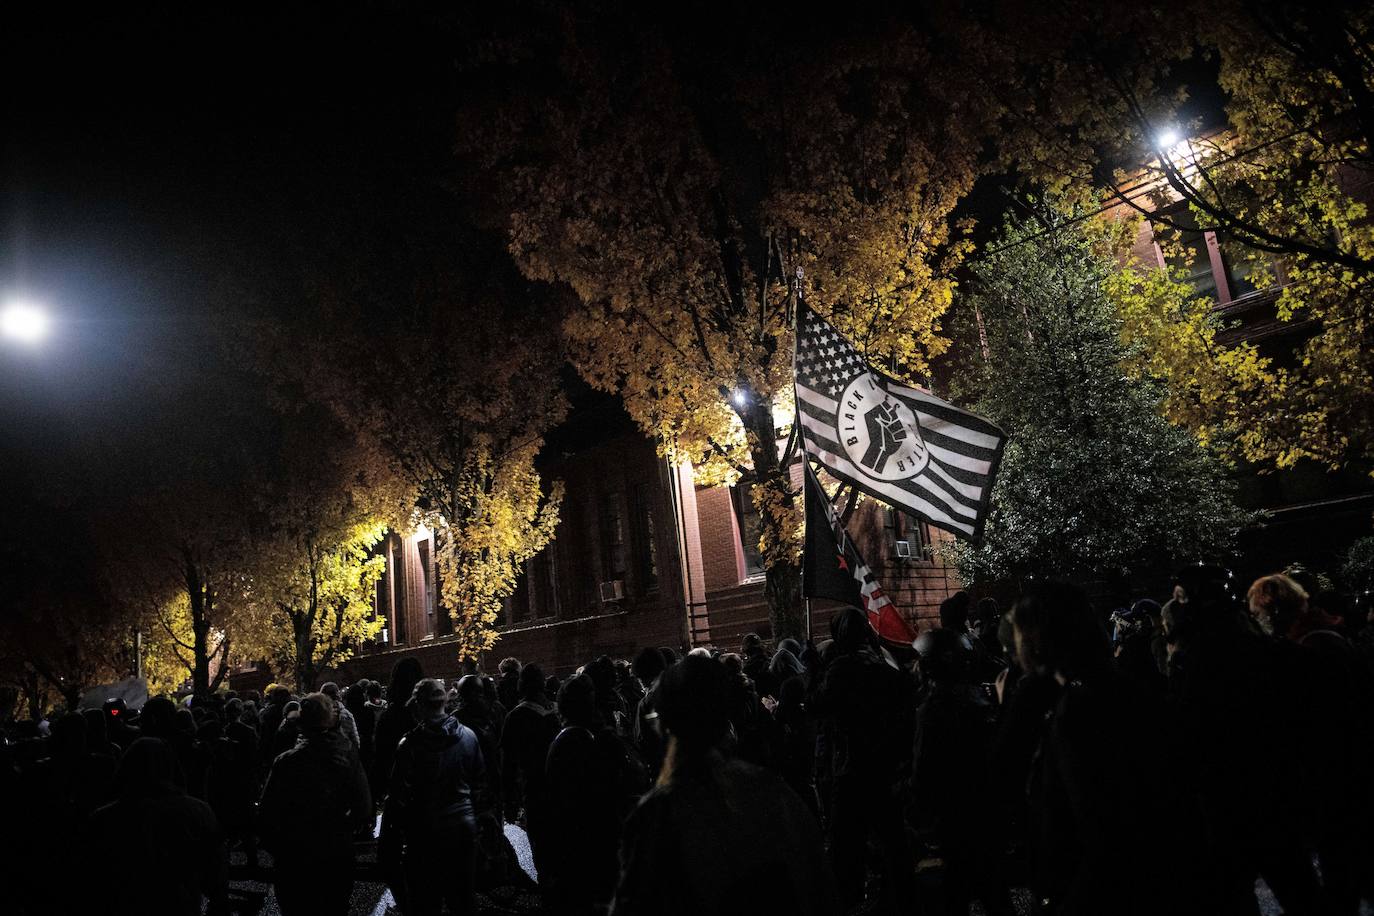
(438, 765)
(731, 839)
(1100, 796)
(870, 706)
(175, 837)
(530, 729)
(392, 725)
(315, 799)
(950, 781)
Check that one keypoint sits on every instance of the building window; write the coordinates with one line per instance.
(914, 533)
(646, 544)
(612, 521)
(396, 568)
(1188, 251)
(1214, 266)
(422, 549)
(749, 526)
(541, 578)
(381, 606)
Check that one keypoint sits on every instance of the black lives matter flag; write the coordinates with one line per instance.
(898, 444)
(832, 567)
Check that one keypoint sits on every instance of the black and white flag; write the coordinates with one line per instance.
(898, 444)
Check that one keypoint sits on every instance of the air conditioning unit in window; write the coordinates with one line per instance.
(612, 591)
(904, 549)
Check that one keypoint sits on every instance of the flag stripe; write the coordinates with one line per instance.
(948, 412)
(886, 492)
(933, 424)
(819, 429)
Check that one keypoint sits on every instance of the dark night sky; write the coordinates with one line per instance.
(161, 168)
(157, 167)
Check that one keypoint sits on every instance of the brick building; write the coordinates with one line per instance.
(643, 556)
(1310, 514)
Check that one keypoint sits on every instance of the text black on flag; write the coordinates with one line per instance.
(896, 443)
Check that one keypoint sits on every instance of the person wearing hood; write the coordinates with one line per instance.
(315, 799)
(785, 664)
(429, 813)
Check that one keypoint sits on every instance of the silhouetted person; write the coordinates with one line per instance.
(508, 682)
(795, 733)
(269, 719)
(347, 724)
(717, 836)
(756, 665)
(288, 732)
(648, 739)
(474, 711)
(530, 729)
(950, 782)
(395, 720)
(1101, 790)
(588, 798)
(429, 811)
(234, 781)
(365, 720)
(156, 824)
(315, 799)
(869, 705)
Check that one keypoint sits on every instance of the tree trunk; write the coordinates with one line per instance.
(307, 675)
(198, 592)
(782, 572)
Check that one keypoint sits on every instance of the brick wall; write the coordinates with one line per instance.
(720, 552)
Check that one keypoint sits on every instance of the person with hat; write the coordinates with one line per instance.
(315, 799)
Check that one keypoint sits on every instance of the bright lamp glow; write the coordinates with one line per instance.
(741, 398)
(23, 322)
(1167, 138)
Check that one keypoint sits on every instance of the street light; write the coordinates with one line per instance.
(24, 322)
(1167, 139)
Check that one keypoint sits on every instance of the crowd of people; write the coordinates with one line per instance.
(1159, 760)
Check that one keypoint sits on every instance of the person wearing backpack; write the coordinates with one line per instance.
(593, 782)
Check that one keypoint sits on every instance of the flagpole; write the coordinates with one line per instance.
(796, 437)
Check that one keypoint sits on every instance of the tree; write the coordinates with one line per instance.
(1283, 179)
(315, 609)
(1094, 482)
(176, 523)
(453, 388)
(696, 173)
(324, 501)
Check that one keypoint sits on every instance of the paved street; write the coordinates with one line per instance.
(251, 896)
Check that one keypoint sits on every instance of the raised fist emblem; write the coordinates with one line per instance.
(885, 433)
(878, 432)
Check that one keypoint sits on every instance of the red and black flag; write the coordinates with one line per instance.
(832, 567)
